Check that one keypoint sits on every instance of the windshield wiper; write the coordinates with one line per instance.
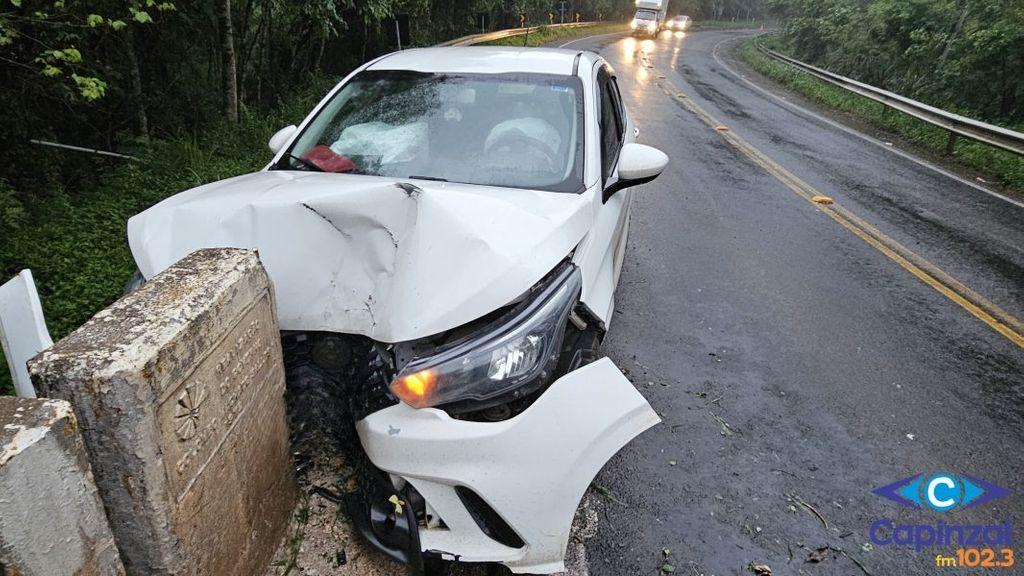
(304, 162)
(435, 178)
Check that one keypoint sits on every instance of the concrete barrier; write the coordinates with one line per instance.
(180, 389)
(51, 517)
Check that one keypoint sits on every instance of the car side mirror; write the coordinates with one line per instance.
(281, 137)
(638, 164)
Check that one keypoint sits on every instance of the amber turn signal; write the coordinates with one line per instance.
(415, 389)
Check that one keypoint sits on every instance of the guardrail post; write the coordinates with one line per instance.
(951, 144)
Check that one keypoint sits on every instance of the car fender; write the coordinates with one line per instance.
(532, 469)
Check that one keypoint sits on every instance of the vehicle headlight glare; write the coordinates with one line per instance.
(513, 356)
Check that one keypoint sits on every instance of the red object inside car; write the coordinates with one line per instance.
(325, 159)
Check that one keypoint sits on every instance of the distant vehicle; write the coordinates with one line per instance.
(650, 17)
(679, 23)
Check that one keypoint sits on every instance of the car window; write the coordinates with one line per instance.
(611, 124)
(510, 130)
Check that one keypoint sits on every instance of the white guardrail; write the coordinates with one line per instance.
(957, 125)
(498, 35)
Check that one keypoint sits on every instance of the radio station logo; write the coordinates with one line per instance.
(941, 492)
(967, 545)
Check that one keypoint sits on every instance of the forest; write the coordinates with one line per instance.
(115, 74)
(961, 55)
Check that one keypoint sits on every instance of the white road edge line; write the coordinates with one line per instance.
(861, 135)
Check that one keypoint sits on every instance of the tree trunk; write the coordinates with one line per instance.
(141, 118)
(229, 66)
(951, 39)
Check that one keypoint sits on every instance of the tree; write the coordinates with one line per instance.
(228, 62)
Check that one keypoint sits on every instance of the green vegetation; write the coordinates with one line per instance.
(74, 240)
(1008, 168)
(965, 56)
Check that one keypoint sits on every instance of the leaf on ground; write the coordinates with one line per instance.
(667, 568)
(607, 493)
(818, 555)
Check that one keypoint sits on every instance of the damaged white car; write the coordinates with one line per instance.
(445, 233)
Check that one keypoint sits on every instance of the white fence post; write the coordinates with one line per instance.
(23, 330)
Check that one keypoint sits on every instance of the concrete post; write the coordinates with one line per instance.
(180, 389)
(51, 518)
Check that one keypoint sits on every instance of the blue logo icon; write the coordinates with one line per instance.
(941, 492)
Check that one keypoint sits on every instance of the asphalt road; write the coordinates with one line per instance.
(793, 362)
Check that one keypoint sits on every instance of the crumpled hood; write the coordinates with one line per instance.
(366, 255)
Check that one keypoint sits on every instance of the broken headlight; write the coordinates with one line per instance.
(512, 358)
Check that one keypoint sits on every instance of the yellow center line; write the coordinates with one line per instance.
(998, 319)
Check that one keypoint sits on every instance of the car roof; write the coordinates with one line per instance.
(485, 60)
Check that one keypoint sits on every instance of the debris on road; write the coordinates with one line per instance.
(818, 555)
(727, 429)
(760, 569)
(796, 500)
(822, 200)
(666, 567)
(321, 540)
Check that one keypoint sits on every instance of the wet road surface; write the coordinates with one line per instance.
(796, 367)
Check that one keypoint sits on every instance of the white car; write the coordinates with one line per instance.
(679, 23)
(455, 219)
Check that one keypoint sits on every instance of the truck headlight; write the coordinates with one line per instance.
(515, 357)
(633, 24)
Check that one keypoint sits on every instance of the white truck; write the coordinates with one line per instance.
(650, 17)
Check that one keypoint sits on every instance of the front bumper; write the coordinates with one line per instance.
(531, 470)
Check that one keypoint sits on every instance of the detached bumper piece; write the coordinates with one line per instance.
(387, 525)
(504, 491)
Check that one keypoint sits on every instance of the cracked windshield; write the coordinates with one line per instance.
(518, 131)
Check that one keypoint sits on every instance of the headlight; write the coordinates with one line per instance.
(651, 26)
(634, 24)
(514, 358)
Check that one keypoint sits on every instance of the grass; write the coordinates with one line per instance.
(1005, 167)
(75, 241)
(549, 34)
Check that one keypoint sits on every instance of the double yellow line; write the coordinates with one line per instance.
(998, 319)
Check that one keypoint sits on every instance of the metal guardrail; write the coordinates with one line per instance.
(957, 125)
(498, 35)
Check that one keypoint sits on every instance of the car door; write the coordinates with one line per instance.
(600, 258)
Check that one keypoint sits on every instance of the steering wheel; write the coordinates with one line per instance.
(517, 141)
